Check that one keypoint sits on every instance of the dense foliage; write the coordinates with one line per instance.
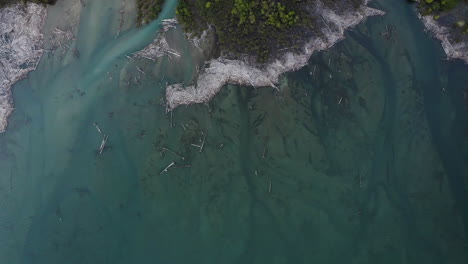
(254, 27)
(148, 10)
(437, 6)
(4, 3)
(258, 27)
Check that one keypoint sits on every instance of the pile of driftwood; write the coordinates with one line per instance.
(21, 47)
(60, 39)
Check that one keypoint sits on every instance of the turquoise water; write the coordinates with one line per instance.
(366, 158)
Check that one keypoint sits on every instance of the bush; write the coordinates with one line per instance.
(429, 7)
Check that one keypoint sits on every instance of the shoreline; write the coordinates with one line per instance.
(442, 33)
(21, 46)
(222, 71)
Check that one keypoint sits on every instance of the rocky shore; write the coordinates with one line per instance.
(221, 71)
(21, 47)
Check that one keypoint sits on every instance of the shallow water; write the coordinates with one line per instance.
(360, 162)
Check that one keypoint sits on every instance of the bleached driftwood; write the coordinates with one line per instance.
(169, 166)
(453, 50)
(203, 142)
(159, 47)
(21, 47)
(103, 143)
(98, 128)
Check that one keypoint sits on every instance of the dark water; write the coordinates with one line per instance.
(362, 161)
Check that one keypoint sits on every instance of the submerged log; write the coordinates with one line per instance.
(265, 148)
(98, 128)
(121, 21)
(172, 120)
(173, 152)
(140, 70)
(103, 144)
(203, 143)
(182, 166)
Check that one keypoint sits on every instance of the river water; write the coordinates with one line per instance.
(361, 158)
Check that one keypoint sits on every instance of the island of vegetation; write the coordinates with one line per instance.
(258, 28)
(262, 29)
(256, 41)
